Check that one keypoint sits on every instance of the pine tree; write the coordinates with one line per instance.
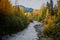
(51, 7)
(58, 3)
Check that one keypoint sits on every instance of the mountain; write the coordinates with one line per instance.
(26, 9)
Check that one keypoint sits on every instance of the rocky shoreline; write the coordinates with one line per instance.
(34, 29)
(39, 28)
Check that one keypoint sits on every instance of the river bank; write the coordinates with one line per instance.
(39, 29)
(32, 32)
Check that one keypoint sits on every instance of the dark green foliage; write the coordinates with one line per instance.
(43, 15)
(50, 7)
(11, 23)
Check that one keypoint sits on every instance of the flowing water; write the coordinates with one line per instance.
(27, 34)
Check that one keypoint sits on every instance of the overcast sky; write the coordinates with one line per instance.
(35, 4)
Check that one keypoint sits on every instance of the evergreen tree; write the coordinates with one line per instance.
(51, 7)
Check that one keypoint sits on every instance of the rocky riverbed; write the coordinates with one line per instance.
(39, 28)
(33, 32)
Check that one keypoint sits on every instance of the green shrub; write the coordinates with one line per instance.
(52, 29)
(11, 23)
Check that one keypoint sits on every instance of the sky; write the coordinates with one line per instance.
(35, 4)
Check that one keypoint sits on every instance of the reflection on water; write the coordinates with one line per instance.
(27, 34)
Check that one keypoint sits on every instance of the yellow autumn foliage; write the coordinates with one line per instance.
(47, 13)
(22, 11)
(49, 27)
(35, 12)
(42, 8)
(29, 16)
(48, 17)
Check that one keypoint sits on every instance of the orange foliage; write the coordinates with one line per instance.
(6, 7)
(35, 12)
(48, 16)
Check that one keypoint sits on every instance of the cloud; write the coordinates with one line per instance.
(36, 4)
